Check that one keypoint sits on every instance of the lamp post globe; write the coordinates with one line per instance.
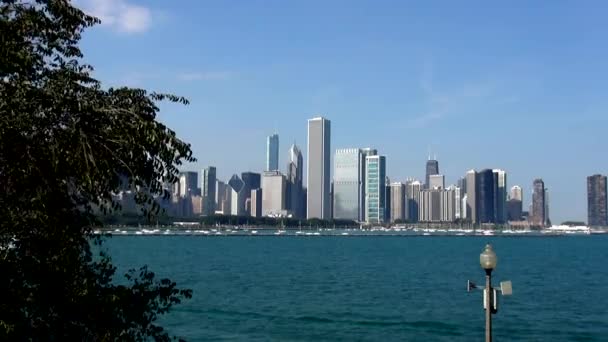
(487, 258)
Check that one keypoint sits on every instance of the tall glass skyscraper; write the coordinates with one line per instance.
(471, 212)
(347, 181)
(375, 188)
(486, 197)
(318, 175)
(500, 195)
(272, 152)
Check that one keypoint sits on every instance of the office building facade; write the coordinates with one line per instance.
(397, 195)
(412, 198)
(471, 203)
(597, 200)
(347, 184)
(375, 188)
(208, 190)
(274, 187)
(486, 200)
(500, 195)
(295, 198)
(432, 168)
(272, 152)
(318, 168)
(538, 203)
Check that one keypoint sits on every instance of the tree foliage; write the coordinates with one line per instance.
(66, 146)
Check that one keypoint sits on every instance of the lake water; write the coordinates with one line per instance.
(376, 288)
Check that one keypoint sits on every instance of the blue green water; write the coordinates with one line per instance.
(376, 288)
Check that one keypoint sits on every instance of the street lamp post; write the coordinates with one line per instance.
(488, 261)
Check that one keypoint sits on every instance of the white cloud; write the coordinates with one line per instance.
(205, 76)
(119, 14)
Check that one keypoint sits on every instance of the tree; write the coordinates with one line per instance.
(66, 146)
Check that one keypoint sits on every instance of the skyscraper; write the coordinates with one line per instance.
(295, 195)
(208, 182)
(432, 168)
(318, 175)
(375, 188)
(412, 199)
(597, 200)
(272, 152)
(222, 202)
(397, 201)
(538, 203)
(347, 182)
(273, 194)
(364, 153)
(471, 209)
(500, 195)
(486, 196)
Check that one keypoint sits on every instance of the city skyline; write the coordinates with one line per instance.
(386, 80)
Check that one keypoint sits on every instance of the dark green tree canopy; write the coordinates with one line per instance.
(66, 146)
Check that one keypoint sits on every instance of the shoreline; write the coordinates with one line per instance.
(342, 232)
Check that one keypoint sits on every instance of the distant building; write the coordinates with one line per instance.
(439, 205)
(256, 203)
(397, 201)
(547, 217)
(387, 200)
(500, 196)
(318, 174)
(272, 152)
(364, 153)
(538, 203)
(412, 199)
(208, 190)
(375, 188)
(432, 168)
(295, 199)
(251, 180)
(347, 184)
(237, 195)
(455, 203)
(188, 183)
(471, 207)
(486, 196)
(597, 211)
(436, 182)
(274, 186)
(516, 193)
(222, 198)
(514, 210)
(197, 205)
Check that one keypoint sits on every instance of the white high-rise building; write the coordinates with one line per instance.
(272, 152)
(318, 168)
(471, 208)
(274, 187)
(347, 184)
(397, 201)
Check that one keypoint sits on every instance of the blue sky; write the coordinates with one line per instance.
(518, 85)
